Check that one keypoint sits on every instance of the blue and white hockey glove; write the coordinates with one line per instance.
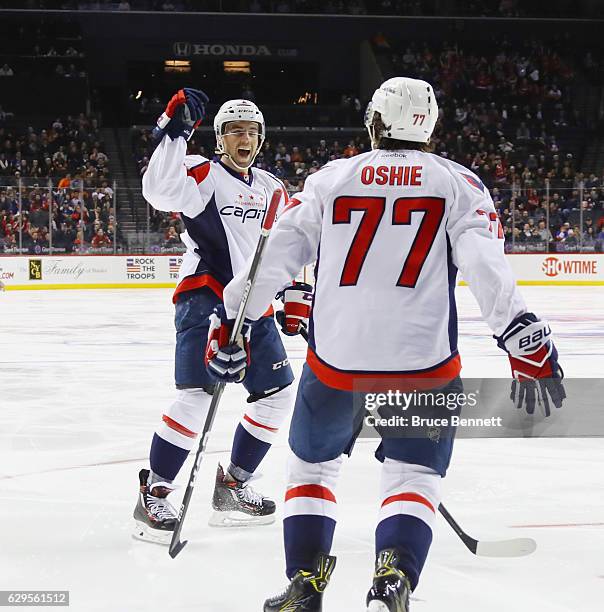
(297, 302)
(227, 362)
(534, 361)
(185, 111)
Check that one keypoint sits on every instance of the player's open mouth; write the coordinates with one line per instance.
(244, 152)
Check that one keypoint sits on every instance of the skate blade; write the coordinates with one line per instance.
(154, 536)
(236, 519)
(377, 606)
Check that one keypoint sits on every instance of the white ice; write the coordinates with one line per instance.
(85, 376)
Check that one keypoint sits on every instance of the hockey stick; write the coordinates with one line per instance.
(516, 547)
(269, 218)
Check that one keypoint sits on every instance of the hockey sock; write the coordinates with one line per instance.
(246, 454)
(411, 537)
(177, 434)
(166, 459)
(310, 512)
(305, 537)
(256, 432)
(410, 496)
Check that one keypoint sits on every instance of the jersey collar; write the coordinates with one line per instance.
(238, 175)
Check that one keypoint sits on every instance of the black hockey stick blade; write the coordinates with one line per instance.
(176, 547)
(516, 547)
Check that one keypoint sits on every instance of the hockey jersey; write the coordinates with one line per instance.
(389, 231)
(221, 210)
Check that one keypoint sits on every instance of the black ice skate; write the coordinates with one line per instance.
(236, 504)
(391, 588)
(155, 517)
(304, 593)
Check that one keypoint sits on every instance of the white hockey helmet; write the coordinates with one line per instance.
(238, 110)
(407, 107)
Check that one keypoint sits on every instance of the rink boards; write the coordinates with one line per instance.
(161, 271)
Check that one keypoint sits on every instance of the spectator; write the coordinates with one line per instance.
(79, 243)
(564, 233)
(351, 150)
(543, 232)
(100, 240)
(171, 238)
(6, 71)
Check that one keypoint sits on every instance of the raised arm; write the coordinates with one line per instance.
(168, 184)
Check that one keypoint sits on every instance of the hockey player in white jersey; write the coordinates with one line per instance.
(221, 204)
(388, 230)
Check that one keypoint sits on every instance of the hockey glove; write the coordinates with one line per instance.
(227, 362)
(184, 113)
(297, 302)
(534, 361)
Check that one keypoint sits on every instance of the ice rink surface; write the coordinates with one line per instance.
(85, 377)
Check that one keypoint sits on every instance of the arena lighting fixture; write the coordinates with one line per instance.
(175, 65)
(236, 66)
(308, 98)
(139, 94)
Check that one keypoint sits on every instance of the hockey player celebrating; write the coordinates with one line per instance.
(394, 225)
(221, 204)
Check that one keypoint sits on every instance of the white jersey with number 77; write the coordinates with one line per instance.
(389, 231)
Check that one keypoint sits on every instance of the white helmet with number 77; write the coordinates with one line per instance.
(407, 108)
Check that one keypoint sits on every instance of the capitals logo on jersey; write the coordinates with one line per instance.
(246, 206)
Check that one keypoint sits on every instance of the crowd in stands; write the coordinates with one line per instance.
(81, 221)
(351, 7)
(41, 48)
(461, 8)
(70, 149)
(520, 199)
(506, 115)
(61, 66)
(62, 167)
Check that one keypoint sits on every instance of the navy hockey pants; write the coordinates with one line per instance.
(327, 421)
(269, 367)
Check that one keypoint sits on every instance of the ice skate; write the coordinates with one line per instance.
(391, 588)
(155, 517)
(237, 504)
(304, 593)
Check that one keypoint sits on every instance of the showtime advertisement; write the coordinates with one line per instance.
(559, 269)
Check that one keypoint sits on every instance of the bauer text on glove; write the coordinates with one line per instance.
(534, 361)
